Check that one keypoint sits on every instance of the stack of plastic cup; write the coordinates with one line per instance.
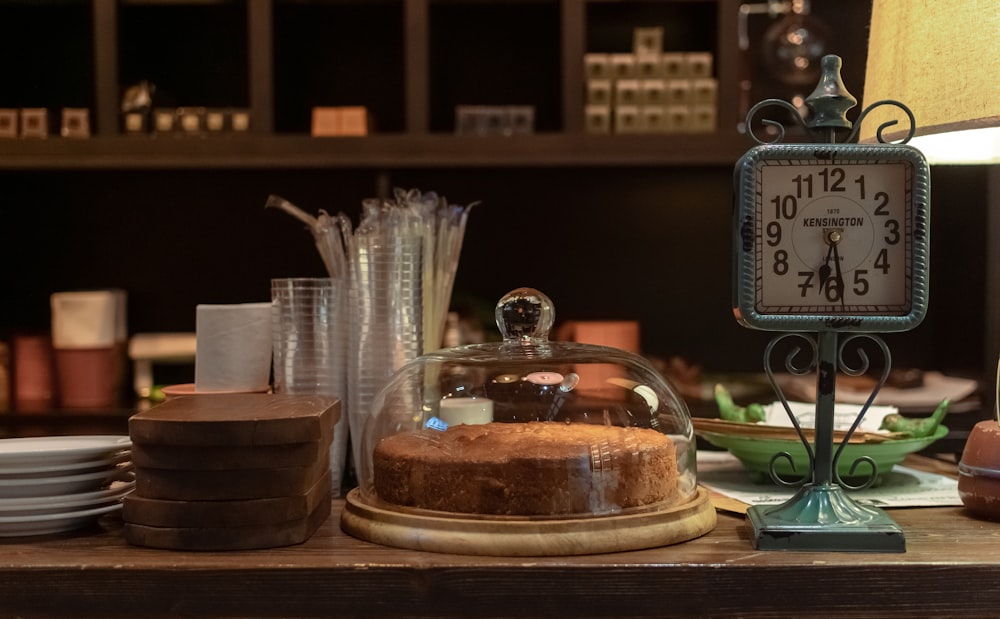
(310, 349)
(387, 323)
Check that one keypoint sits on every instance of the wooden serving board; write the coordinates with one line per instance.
(480, 535)
(245, 419)
(230, 537)
(180, 485)
(237, 513)
(228, 457)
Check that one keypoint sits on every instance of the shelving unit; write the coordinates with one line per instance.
(406, 60)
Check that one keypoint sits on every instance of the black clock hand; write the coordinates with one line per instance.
(824, 271)
(838, 277)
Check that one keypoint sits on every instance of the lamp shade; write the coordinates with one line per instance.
(939, 59)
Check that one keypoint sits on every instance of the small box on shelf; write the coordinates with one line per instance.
(673, 65)
(623, 66)
(648, 65)
(164, 119)
(654, 119)
(647, 40)
(599, 92)
(190, 120)
(597, 118)
(75, 122)
(704, 91)
(239, 120)
(343, 121)
(678, 92)
(215, 120)
(483, 120)
(627, 92)
(628, 119)
(597, 66)
(699, 64)
(702, 118)
(678, 118)
(34, 122)
(8, 122)
(653, 92)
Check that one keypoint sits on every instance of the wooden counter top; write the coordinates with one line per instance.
(950, 569)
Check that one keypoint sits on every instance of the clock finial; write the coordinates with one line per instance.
(830, 100)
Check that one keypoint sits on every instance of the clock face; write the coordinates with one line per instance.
(832, 237)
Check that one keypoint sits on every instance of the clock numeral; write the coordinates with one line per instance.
(892, 235)
(773, 234)
(861, 185)
(882, 208)
(833, 179)
(882, 262)
(860, 282)
(807, 278)
(780, 262)
(807, 181)
(833, 289)
(785, 207)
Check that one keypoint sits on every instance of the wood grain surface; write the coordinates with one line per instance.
(950, 569)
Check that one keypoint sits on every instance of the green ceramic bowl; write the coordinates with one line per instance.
(755, 454)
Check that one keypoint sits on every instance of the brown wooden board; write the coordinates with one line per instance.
(230, 538)
(238, 513)
(227, 457)
(236, 419)
(228, 485)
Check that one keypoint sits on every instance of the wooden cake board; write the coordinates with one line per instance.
(506, 537)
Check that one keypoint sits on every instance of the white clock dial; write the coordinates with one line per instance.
(833, 238)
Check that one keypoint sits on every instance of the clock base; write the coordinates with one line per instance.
(822, 517)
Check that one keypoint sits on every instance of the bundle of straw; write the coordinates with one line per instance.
(399, 267)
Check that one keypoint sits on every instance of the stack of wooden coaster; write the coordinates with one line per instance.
(230, 472)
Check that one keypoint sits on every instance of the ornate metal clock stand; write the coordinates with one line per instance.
(841, 306)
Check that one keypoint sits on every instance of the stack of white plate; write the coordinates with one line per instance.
(59, 483)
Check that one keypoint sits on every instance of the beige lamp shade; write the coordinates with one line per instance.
(939, 58)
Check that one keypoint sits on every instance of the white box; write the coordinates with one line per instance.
(627, 92)
(597, 118)
(654, 119)
(648, 66)
(653, 92)
(699, 64)
(678, 118)
(628, 119)
(622, 66)
(674, 65)
(599, 92)
(704, 91)
(702, 119)
(647, 40)
(596, 66)
(678, 92)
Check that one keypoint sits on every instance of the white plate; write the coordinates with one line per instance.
(69, 468)
(53, 450)
(64, 484)
(68, 502)
(15, 526)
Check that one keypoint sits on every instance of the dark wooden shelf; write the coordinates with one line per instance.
(378, 151)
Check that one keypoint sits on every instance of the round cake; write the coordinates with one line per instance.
(536, 468)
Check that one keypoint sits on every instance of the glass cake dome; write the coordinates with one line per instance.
(527, 436)
(542, 428)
